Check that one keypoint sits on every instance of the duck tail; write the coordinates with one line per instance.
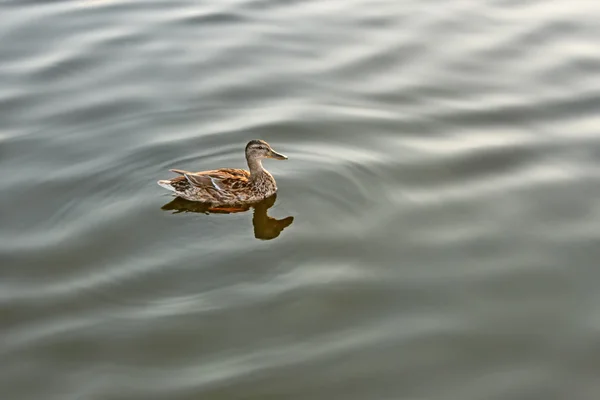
(180, 171)
(166, 184)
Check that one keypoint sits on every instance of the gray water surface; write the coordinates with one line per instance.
(436, 233)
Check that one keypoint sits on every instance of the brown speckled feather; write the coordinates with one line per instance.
(223, 186)
(228, 186)
(220, 179)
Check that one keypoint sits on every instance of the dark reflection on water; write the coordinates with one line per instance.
(265, 227)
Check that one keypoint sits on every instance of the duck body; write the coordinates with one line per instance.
(228, 186)
(225, 186)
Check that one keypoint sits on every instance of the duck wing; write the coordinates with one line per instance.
(219, 179)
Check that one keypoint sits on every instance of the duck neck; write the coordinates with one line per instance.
(256, 168)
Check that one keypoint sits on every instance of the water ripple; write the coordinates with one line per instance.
(442, 181)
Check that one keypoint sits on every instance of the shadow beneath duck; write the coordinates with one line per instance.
(265, 227)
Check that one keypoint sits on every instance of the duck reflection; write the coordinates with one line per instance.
(265, 227)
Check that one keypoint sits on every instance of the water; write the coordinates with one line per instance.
(435, 235)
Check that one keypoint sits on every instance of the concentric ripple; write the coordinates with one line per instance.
(434, 235)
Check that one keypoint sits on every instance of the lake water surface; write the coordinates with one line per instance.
(436, 234)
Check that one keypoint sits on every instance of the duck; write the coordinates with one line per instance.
(229, 186)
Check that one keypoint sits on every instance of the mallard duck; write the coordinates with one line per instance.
(229, 186)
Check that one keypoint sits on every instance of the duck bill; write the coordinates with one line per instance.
(277, 156)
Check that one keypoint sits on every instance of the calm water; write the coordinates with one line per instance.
(436, 234)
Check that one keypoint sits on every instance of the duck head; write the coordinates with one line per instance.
(259, 149)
